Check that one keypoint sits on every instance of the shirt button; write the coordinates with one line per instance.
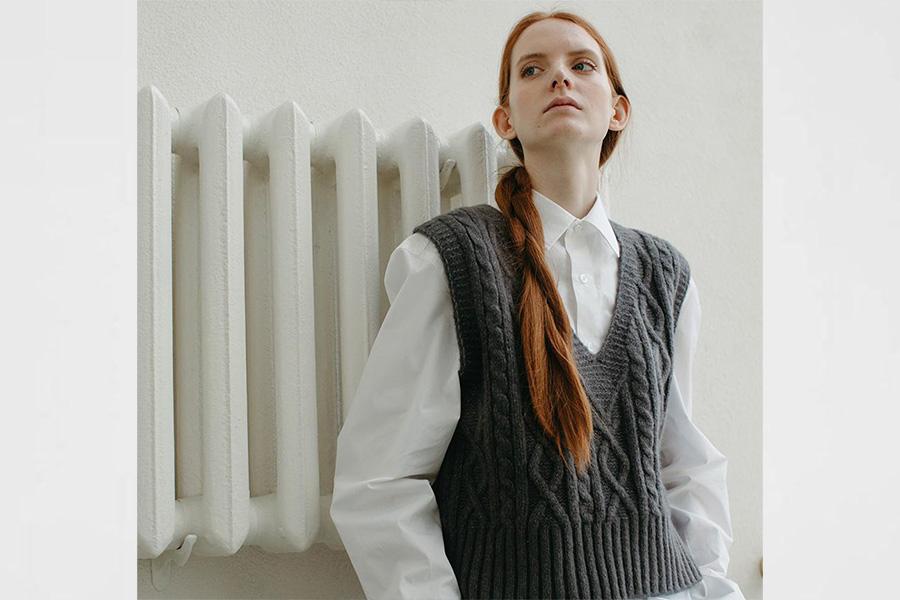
(583, 278)
(576, 226)
(592, 347)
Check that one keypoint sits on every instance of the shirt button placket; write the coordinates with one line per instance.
(579, 260)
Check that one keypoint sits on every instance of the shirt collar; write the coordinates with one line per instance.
(556, 220)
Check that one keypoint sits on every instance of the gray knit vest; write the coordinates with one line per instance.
(517, 520)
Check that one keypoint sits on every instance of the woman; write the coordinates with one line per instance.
(522, 427)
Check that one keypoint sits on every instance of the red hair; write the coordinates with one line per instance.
(559, 400)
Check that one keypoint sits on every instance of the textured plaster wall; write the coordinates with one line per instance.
(689, 170)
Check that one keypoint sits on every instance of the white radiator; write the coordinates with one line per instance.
(262, 247)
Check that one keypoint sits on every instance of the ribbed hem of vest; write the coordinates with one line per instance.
(625, 558)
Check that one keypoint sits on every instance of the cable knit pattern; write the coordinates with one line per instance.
(517, 520)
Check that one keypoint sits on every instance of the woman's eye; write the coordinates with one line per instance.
(525, 71)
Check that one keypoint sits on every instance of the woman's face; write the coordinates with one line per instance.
(571, 65)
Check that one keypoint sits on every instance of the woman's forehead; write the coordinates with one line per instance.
(553, 36)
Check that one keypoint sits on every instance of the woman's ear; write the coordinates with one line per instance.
(502, 124)
(622, 110)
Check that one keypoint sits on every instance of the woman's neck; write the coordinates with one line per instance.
(571, 182)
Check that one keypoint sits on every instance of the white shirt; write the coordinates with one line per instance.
(407, 405)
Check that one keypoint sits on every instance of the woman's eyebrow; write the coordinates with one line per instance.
(587, 51)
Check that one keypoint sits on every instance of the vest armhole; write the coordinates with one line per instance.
(682, 279)
(448, 236)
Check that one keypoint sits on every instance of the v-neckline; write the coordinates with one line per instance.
(611, 352)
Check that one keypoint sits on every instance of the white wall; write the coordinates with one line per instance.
(689, 170)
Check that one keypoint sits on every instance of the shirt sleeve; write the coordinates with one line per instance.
(694, 471)
(395, 435)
